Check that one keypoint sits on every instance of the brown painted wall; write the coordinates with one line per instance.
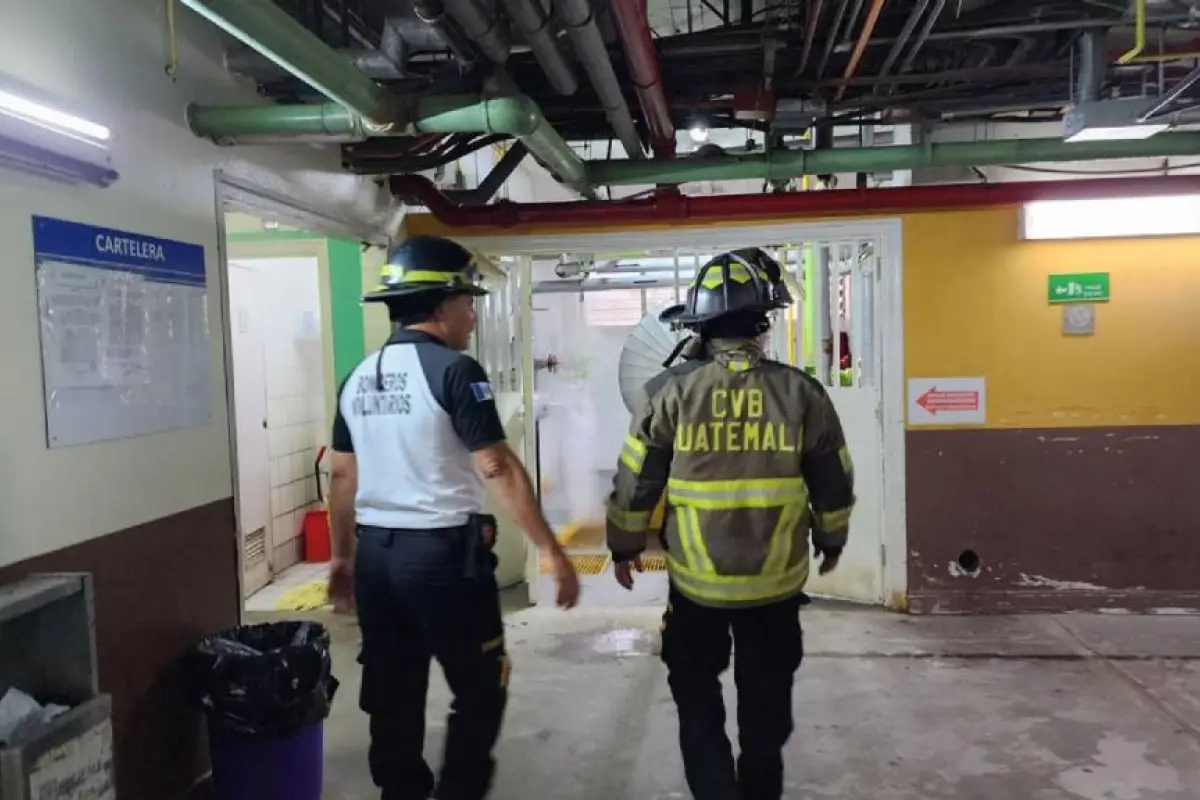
(1071, 518)
(160, 587)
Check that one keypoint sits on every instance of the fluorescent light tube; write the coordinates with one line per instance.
(51, 118)
(1174, 215)
(1119, 133)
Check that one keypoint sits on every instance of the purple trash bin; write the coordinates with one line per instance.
(264, 767)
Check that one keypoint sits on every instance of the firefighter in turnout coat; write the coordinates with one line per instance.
(752, 458)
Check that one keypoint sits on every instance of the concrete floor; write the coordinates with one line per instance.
(888, 707)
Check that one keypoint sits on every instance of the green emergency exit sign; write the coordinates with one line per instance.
(1084, 287)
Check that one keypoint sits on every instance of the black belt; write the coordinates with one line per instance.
(476, 538)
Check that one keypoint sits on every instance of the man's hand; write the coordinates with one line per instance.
(829, 559)
(341, 585)
(624, 572)
(566, 578)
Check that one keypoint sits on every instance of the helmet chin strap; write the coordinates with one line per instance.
(698, 341)
(678, 349)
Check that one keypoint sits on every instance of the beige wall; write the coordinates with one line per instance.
(376, 328)
(56, 498)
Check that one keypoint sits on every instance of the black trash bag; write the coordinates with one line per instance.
(264, 680)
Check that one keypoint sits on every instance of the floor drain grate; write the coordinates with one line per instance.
(584, 564)
(654, 563)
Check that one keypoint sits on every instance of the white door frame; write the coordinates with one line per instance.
(231, 192)
(889, 318)
(238, 416)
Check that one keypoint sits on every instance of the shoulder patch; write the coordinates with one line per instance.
(482, 392)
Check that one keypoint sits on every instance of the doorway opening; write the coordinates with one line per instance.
(292, 286)
(594, 303)
(280, 420)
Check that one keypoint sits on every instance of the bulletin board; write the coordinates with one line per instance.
(125, 333)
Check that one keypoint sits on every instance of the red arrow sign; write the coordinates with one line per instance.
(934, 401)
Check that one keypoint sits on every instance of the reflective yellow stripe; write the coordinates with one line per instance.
(780, 552)
(633, 454)
(834, 520)
(695, 552)
(432, 276)
(750, 493)
(847, 463)
(493, 644)
(631, 521)
(737, 588)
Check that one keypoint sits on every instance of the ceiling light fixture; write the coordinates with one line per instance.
(51, 118)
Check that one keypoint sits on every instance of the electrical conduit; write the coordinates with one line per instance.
(641, 58)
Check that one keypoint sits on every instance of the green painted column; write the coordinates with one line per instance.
(345, 304)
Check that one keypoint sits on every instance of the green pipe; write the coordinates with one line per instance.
(228, 125)
(361, 107)
(511, 114)
(781, 164)
(268, 29)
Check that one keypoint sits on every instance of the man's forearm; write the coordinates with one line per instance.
(341, 519)
(515, 492)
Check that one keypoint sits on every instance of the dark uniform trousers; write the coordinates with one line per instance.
(414, 604)
(767, 649)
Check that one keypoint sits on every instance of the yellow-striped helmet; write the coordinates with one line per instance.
(740, 280)
(424, 264)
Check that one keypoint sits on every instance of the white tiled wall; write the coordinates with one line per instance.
(290, 299)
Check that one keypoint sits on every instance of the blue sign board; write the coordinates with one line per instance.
(159, 260)
(126, 346)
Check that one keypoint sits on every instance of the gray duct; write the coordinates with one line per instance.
(535, 28)
(433, 14)
(1091, 66)
(577, 18)
(486, 32)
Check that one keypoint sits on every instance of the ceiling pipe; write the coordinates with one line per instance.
(365, 107)
(580, 23)
(1091, 67)
(271, 31)
(810, 35)
(641, 58)
(860, 46)
(372, 63)
(433, 14)
(672, 207)
(511, 114)
(910, 27)
(487, 33)
(536, 28)
(924, 36)
(785, 164)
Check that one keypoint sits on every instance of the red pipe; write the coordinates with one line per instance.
(629, 16)
(670, 206)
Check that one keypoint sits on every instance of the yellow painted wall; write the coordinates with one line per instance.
(975, 304)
